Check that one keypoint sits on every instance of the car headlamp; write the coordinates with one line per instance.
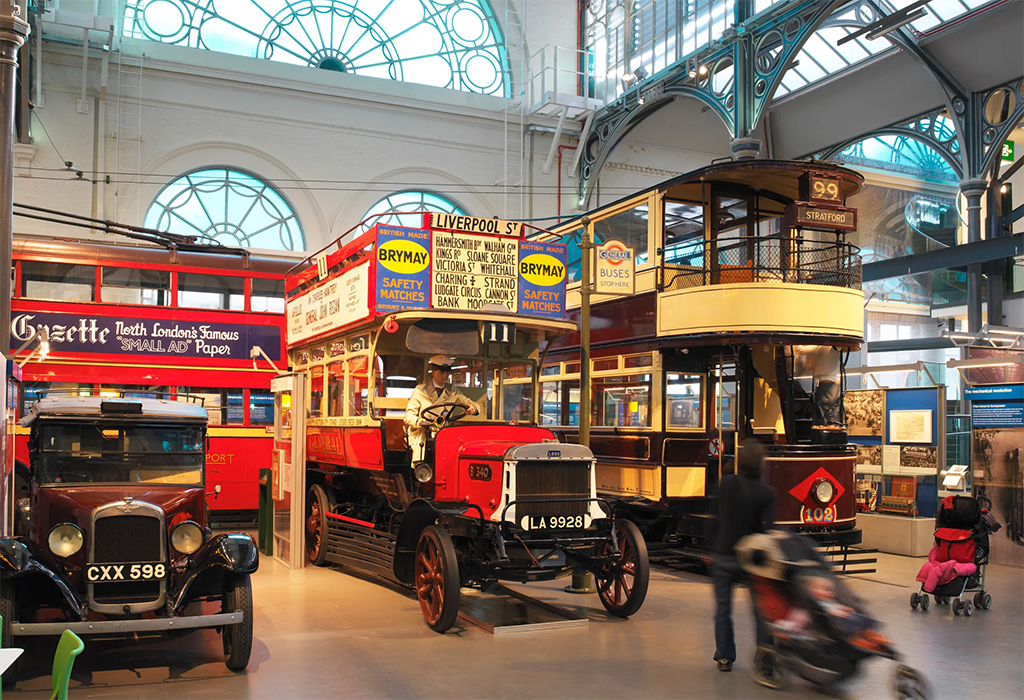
(823, 491)
(65, 539)
(187, 537)
(423, 473)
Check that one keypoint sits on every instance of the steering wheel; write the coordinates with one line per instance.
(435, 413)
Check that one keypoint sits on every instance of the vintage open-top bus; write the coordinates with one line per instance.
(747, 304)
(493, 496)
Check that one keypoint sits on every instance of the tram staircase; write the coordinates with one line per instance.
(687, 554)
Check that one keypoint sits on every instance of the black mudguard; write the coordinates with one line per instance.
(232, 553)
(20, 556)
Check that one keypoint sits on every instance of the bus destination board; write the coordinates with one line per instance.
(469, 271)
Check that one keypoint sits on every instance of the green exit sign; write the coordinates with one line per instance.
(1007, 153)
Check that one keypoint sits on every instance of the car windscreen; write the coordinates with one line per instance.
(76, 453)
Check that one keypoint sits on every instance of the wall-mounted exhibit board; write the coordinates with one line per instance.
(901, 444)
(997, 444)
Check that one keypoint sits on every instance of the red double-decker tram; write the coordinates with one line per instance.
(89, 318)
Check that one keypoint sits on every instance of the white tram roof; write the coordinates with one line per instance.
(97, 406)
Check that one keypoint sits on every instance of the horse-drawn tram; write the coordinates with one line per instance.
(747, 302)
(415, 357)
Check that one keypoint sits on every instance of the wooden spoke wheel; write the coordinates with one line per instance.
(318, 504)
(437, 578)
(622, 583)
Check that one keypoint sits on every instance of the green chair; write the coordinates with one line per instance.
(69, 647)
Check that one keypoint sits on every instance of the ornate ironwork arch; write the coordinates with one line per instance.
(928, 128)
(735, 76)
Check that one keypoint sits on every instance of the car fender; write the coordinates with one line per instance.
(20, 556)
(418, 515)
(232, 552)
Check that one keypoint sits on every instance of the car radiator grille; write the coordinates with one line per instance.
(120, 538)
(127, 538)
(540, 481)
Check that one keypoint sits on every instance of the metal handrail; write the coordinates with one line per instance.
(771, 258)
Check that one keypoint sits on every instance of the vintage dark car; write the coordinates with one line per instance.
(111, 539)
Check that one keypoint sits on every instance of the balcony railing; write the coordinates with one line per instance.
(764, 259)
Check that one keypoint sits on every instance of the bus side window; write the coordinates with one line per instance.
(335, 388)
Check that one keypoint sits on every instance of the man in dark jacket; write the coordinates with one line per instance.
(745, 505)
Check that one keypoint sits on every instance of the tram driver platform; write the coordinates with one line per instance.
(503, 610)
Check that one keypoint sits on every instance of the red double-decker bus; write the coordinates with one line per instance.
(152, 320)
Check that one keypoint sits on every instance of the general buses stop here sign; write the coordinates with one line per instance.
(614, 271)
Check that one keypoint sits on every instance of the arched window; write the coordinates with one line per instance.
(384, 211)
(454, 44)
(225, 206)
(899, 154)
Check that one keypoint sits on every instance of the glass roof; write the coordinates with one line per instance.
(654, 34)
(823, 56)
(455, 44)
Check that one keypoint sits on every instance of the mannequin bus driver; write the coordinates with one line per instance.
(431, 404)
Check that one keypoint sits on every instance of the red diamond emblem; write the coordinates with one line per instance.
(802, 490)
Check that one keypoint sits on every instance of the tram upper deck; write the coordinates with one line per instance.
(753, 247)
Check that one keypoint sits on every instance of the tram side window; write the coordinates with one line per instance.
(629, 227)
(725, 396)
(316, 390)
(622, 401)
(267, 295)
(683, 395)
(684, 234)
(123, 285)
(42, 280)
(358, 385)
(560, 402)
(261, 407)
(197, 291)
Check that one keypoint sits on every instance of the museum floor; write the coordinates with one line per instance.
(323, 634)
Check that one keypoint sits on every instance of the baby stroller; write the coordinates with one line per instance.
(820, 629)
(956, 563)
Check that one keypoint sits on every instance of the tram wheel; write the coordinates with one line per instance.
(318, 504)
(622, 584)
(437, 578)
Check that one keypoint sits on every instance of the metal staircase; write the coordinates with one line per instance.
(514, 117)
(126, 130)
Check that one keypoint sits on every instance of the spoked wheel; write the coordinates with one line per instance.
(9, 611)
(907, 684)
(437, 578)
(622, 584)
(318, 504)
(238, 638)
(769, 669)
